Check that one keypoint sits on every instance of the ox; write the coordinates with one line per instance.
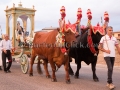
(43, 46)
(87, 46)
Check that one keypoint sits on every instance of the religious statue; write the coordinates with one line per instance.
(19, 33)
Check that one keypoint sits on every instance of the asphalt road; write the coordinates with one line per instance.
(16, 80)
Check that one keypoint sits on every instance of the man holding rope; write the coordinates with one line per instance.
(107, 45)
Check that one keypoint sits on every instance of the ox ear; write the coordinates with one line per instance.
(86, 28)
(69, 22)
(58, 29)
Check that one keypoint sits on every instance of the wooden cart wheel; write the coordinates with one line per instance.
(24, 63)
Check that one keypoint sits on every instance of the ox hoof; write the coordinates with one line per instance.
(54, 80)
(48, 76)
(96, 80)
(30, 74)
(71, 74)
(76, 77)
(68, 81)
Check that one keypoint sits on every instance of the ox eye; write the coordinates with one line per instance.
(68, 32)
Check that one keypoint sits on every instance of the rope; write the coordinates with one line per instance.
(106, 42)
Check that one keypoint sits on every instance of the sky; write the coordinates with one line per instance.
(48, 11)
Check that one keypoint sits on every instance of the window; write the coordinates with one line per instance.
(118, 35)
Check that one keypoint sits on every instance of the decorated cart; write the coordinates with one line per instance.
(22, 51)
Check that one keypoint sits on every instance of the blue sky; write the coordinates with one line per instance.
(48, 11)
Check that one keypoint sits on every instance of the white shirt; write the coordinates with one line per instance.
(6, 45)
(109, 43)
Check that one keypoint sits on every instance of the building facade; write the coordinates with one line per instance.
(117, 35)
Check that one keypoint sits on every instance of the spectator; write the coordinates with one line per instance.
(6, 46)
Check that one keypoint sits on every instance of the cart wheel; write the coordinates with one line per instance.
(24, 63)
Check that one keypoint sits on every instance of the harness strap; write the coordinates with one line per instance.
(90, 43)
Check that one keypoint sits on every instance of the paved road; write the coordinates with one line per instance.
(19, 81)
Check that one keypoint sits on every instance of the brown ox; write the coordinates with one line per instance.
(44, 46)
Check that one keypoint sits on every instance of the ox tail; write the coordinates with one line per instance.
(56, 68)
(39, 69)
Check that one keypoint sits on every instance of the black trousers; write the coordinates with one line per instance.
(110, 65)
(9, 57)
